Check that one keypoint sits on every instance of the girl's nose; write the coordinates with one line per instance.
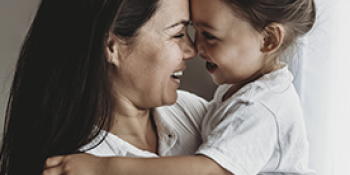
(189, 51)
(198, 44)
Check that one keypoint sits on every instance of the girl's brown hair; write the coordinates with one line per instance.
(297, 16)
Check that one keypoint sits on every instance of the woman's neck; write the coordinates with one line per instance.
(135, 126)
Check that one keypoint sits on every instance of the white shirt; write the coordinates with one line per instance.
(178, 128)
(259, 130)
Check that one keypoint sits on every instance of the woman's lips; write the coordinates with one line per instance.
(175, 80)
(175, 76)
(211, 67)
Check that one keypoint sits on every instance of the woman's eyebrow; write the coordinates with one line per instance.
(183, 22)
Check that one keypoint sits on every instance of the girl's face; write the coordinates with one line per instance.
(145, 74)
(229, 44)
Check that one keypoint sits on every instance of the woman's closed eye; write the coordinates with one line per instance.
(179, 36)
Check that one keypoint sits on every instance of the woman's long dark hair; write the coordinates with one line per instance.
(61, 88)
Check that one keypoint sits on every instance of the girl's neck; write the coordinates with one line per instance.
(235, 87)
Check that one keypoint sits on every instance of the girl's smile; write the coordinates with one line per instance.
(230, 46)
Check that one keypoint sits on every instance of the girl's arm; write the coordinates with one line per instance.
(90, 165)
(184, 165)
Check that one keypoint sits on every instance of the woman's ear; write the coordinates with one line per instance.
(112, 48)
(273, 36)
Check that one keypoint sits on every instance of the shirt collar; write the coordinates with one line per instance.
(277, 81)
(167, 136)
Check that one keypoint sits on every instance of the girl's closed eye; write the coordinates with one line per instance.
(208, 36)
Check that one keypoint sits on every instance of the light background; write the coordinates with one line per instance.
(322, 81)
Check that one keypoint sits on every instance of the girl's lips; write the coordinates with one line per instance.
(211, 67)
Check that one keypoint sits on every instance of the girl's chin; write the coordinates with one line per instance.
(217, 81)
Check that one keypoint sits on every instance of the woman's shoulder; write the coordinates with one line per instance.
(181, 122)
(187, 112)
(188, 105)
(188, 98)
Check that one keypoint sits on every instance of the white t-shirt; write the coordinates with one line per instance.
(259, 130)
(178, 128)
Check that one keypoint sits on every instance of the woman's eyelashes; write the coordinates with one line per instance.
(181, 33)
(179, 36)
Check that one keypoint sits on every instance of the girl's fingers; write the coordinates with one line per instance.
(53, 161)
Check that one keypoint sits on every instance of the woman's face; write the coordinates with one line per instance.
(145, 75)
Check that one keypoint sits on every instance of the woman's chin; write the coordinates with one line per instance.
(170, 100)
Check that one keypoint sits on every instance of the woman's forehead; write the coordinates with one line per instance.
(171, 12)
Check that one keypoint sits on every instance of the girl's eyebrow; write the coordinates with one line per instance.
(183, 22)
(204, 24)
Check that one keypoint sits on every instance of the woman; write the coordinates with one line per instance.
(93, 70)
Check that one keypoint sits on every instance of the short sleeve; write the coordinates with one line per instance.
(178, 125)
(244, 141)
(194, 106)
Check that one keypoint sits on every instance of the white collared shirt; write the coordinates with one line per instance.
(258, 130)
(178, 128)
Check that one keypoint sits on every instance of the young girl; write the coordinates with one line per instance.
(254, 124)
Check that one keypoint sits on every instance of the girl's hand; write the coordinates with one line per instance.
(84, 164)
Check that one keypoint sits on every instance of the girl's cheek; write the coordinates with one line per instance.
(213, 49)
(212, 45)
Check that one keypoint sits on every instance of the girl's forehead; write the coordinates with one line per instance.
(210, 13)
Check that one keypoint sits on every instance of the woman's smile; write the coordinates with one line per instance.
(175, 76)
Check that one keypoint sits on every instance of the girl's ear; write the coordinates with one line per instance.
(273, 38)
(112, 49)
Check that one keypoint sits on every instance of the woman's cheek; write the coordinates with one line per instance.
(176, 53)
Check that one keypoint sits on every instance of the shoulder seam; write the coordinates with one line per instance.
(277, 131)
